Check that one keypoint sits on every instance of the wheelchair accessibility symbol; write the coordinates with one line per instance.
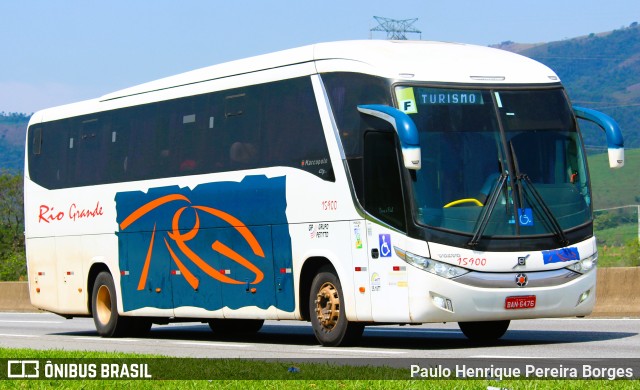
(385, 245)
(525, 217)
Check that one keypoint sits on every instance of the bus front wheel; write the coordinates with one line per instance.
(327, 314)
(484, 330)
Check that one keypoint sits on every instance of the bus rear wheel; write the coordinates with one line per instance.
(104, 308)
(327, 314)
(484, 330)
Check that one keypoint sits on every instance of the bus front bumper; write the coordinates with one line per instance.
(445, 300)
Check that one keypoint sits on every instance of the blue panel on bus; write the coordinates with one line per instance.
(560, 255)
(219, 245)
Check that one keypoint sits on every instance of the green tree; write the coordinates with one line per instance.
(12, 257)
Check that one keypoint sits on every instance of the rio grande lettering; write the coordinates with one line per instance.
(50, 214)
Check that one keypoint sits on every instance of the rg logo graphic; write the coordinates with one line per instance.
(180, 238)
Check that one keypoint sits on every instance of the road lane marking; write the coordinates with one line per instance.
(32, 322)
(377, 351)
(104, 339)
(17, 335)
(26, 313)
(212, 344)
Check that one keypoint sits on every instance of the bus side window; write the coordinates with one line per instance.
(214, 141)
(382, 185)
(36, 146)
(242, 124)
(90, 153)
(190, 136)
(292, 129)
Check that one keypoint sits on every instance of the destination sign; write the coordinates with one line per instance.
(433, 96)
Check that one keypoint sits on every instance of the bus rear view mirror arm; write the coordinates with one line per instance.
(405, 128)
(615, 143)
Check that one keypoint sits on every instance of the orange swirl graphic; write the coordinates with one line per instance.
(180, 239)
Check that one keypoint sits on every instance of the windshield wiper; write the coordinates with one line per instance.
(489, 205)
(525, 186)
(546, 211)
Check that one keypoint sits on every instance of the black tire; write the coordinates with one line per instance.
(484, 330)
(327, 314)
(104, 308)
(234, 326)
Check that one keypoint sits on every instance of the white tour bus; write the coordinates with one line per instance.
(345, 184)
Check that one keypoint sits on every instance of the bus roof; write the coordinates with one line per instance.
(417, 60)
(399, 60)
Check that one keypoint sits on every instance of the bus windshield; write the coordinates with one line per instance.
(521, 147)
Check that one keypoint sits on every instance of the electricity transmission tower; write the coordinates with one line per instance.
(396, 29)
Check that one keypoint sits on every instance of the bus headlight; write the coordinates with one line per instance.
(435, 267)
(585, 265)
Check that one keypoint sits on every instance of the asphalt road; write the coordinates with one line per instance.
(558, 338)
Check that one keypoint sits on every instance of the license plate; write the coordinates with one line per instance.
(522, 302)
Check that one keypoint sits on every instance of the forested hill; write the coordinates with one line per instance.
(600, 71)
(13, 127)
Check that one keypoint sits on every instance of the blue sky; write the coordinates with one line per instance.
(61, 51)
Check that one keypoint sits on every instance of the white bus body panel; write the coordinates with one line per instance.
(322, 218)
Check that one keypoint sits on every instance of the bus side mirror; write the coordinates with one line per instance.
(615, 143)
(404, 127)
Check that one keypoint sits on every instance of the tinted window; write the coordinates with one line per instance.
(346, 91)
(382, 186)
(273, 124)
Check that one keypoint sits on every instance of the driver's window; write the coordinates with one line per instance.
(382, 184)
